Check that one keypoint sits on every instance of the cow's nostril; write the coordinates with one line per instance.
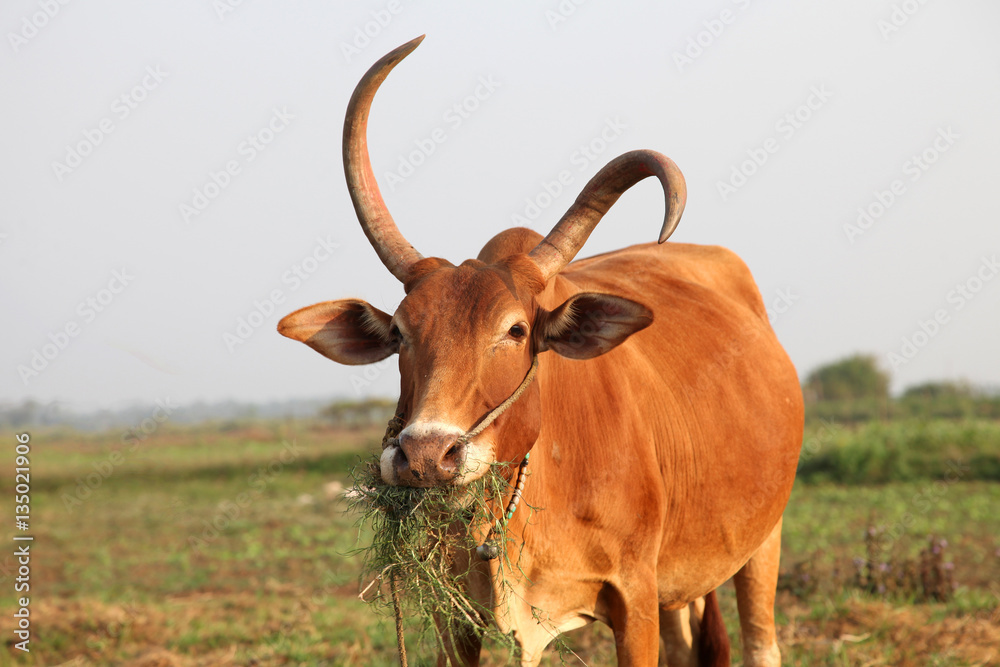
(401, 462)
(452, 458)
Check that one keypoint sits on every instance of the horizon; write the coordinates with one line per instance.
(138, 406)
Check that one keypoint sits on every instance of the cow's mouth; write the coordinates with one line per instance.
(462, 499)
(408, 464)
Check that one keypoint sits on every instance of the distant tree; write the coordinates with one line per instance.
(948, 399)
(941, 389)
(856, 377)
(30, 412)
(358, 414)
(26, 413)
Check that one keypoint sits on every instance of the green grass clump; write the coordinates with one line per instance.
(423, 543)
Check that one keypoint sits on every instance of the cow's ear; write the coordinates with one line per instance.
(588, 324)
(348, 331)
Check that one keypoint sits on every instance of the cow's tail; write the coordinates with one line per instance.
(713, 641)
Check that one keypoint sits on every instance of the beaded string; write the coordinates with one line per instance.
(522, 469)
(489, 550)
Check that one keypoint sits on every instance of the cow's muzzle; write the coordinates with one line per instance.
(426, 458)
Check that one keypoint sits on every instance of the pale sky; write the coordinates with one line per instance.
(170, 168)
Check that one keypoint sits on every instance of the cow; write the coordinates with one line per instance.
(662, 416)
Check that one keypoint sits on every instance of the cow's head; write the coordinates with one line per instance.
(466, 334)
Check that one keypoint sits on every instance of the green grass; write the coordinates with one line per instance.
(825, 526)
(138, 572)
(900, 451)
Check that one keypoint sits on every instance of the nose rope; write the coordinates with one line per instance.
(499, 410)
(396, 424)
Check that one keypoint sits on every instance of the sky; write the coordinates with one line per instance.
(172, 182)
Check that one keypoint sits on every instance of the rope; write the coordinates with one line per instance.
(397, 423)
(392, 431)
(499, 410)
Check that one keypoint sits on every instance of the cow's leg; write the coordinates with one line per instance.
(679, 631)
(531, 655)
(695, 635)
(635, 620)
(461, 647)
(756, 585)
(532, 638)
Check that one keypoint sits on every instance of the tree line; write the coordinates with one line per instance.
(856, 389)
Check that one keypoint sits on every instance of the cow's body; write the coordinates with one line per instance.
(664, 422)
(663, 465)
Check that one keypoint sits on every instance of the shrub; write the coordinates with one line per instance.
(878, 453)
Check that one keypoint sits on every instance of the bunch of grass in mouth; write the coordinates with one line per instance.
(423, 541)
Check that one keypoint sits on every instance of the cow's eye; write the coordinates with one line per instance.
(396, 335)
(516, 332)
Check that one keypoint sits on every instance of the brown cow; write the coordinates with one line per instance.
(664, 422)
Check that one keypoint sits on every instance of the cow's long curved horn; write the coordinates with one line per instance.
(559, 248)
(393, 249)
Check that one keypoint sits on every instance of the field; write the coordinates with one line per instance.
(228, 545)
